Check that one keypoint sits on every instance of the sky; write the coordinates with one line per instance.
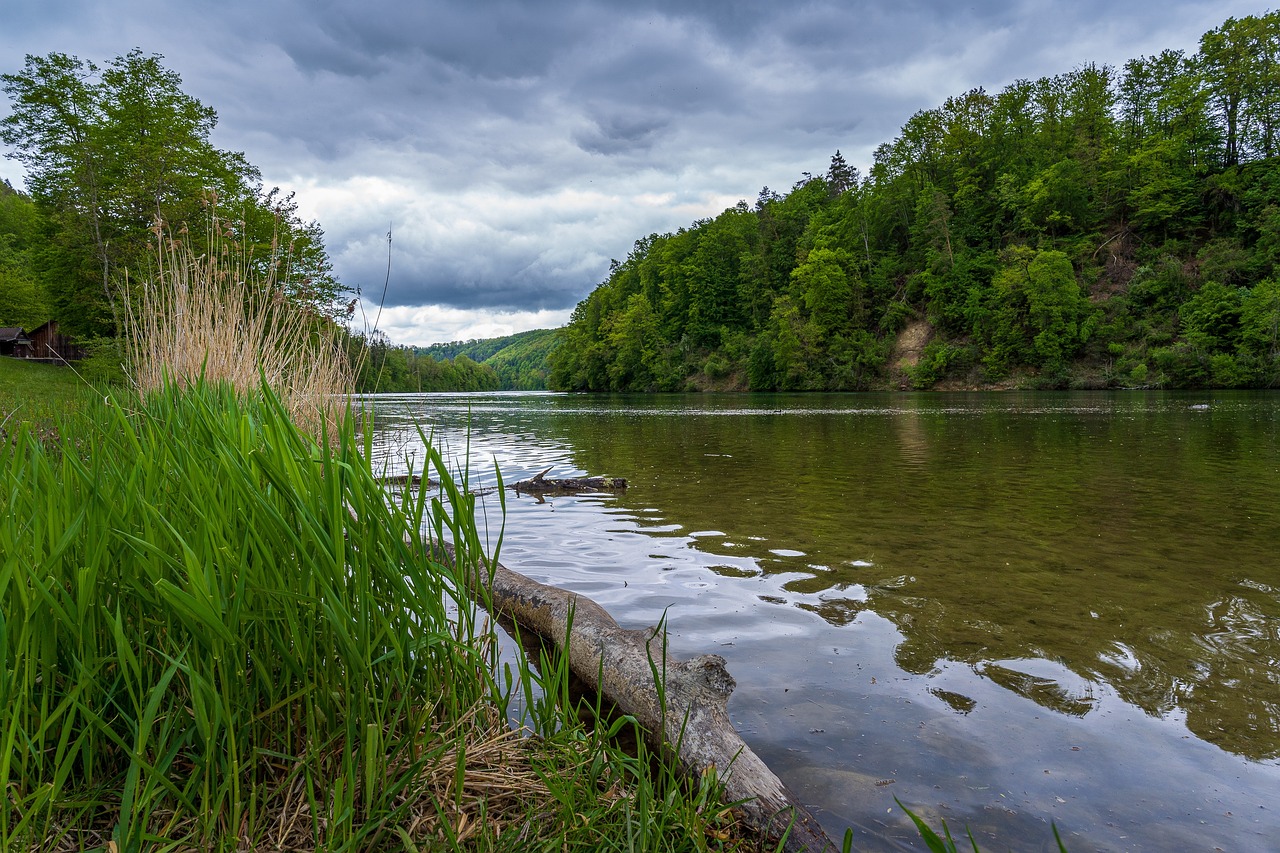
(513, 149)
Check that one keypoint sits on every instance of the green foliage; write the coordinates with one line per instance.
(218, 633)
(382, 367)
(113, 150)
(520, 361)
(938, 360)
(22, 298)
(1259, 344)
(825, 288)
(1031, 227)
(630, 335)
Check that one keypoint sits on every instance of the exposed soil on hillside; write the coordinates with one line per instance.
(906, 351)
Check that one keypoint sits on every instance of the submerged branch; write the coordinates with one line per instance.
(539, 485)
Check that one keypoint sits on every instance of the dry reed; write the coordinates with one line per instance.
(209, 316)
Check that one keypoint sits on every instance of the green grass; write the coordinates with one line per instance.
(218, 633)
(945, 843)
(38, 393)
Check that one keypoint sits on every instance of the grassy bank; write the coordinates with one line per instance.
(38, 393)
(219, 631)
(220, 634)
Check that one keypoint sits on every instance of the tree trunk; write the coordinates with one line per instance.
(687, 722)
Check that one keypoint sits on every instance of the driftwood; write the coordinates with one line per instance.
(535, 485)
(539, 485)
(406, 480)
(692, 729)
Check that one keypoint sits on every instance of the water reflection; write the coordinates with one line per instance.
(1073, 554)
(993, 534)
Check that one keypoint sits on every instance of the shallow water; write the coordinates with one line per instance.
(1003, 609)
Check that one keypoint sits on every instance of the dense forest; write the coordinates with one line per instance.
(1101, 228)
(519, 361)
(119, 162)
(513, 363)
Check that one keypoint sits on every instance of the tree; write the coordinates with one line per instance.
(840, 175)
(112, 152)
(824, 286)
(632, 336)
(790, 364)
(1037, 314)
(22, 301)
(1241, 64)
(1260, 330)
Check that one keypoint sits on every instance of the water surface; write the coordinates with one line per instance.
(1003, 609)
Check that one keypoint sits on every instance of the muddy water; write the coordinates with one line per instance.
(1002, 609)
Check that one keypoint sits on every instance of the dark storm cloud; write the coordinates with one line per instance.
(517, 147)
(482, 40)
(624, 131)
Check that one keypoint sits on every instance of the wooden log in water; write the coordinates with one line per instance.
(691, 728)
(538, 484)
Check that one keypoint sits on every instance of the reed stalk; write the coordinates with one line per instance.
(213, 316)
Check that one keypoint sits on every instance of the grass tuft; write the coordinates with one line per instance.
(206, 316)
(220, 633)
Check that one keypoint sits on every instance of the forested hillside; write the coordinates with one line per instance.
(519, 360)
(383, 367)
(1101, 228)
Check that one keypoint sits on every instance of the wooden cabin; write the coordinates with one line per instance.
(49, 344)
(14, 342)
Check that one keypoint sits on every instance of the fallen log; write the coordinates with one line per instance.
(539, 485)
(685, 717)
(406, 480)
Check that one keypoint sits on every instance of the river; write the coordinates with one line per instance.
(1004, 609)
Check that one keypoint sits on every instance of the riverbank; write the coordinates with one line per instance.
(234, 640)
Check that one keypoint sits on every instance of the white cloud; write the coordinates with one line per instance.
(423, 325)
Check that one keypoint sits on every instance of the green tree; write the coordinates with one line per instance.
(1241, 64)
(824, 286)
(840, 175)
(22, 300)
(1039, 316)
(1260, 331)
(114, 152)
(632, 336)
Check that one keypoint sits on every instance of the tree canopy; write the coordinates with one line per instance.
(116, 156)
(1100, 228)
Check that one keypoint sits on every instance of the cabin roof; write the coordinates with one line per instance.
(10, 334)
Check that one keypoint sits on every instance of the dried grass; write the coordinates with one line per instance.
(204, 316)
(502, 793)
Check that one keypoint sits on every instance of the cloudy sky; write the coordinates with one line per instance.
(515, 148)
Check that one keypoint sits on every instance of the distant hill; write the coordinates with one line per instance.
(519, 360)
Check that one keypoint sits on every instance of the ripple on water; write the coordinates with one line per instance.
(982, 562)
